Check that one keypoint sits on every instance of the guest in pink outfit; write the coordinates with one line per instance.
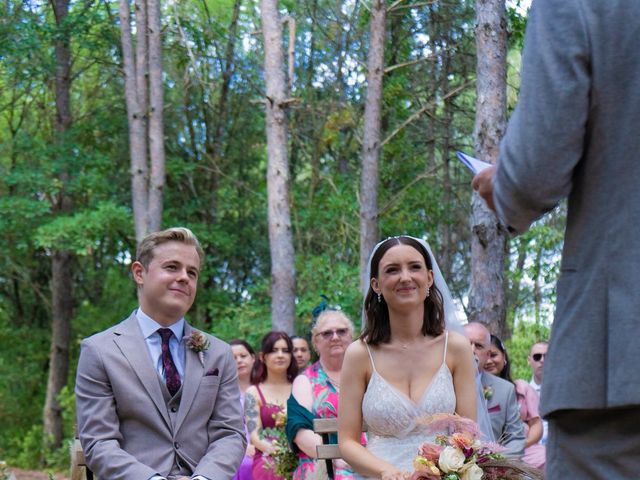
(245, 357)
(528, 400)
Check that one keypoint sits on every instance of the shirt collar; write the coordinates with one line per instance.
(149, 326)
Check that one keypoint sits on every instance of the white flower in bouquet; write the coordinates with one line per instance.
(474, 472)
(451, 459)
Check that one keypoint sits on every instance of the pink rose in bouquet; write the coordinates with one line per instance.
(431, 451)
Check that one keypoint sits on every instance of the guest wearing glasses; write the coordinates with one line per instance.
(536, 362)
(315, 394)
(536, 358)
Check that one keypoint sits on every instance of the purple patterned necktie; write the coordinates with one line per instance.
(171, 375)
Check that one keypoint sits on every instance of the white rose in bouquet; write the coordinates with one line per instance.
(451, 459)
(474, 472)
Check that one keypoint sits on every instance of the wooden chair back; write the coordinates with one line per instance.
(328, 451)
(79, 469)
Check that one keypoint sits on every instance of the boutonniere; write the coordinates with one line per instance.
(487, 391)
(199, 343)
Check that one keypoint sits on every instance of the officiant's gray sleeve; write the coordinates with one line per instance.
(543, 144)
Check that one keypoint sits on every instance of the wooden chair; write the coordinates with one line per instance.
(79, 469)
(328, 451)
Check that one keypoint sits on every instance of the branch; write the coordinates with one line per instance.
(192, 57)
(395, 5)
(291, 23)
(410, 62)
(417, 114)
(418, 60)
(397, 195)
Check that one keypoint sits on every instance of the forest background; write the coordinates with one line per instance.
(66, 186)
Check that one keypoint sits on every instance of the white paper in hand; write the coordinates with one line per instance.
(475, 165)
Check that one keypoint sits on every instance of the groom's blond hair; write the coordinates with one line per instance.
(144, 252)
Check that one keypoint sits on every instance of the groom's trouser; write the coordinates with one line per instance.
(594, 444)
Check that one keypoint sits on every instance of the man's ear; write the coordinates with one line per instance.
(136, 270)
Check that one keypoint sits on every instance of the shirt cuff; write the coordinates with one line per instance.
(199, 477)
(157, 477)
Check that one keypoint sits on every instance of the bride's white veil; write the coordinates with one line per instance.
(452, 322)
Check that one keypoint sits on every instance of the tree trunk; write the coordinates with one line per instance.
(135, 87)
(489, 238)
(156, 116)
(61, 278)
(513, 298)
(145, 112)
(448, 247)
(279, 216)
(371, 139)
(214, 145)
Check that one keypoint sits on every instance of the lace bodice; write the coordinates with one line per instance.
(391, 416)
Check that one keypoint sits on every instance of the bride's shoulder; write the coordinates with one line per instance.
(357, 353)
(357, 349)
(458, 343)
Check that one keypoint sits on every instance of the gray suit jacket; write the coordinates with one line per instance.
(576, 133)
(126, 429)
(508, 429)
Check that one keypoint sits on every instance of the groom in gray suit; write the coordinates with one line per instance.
(576, 133)
(156, 398)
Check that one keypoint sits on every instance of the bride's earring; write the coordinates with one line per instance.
(379, 298)
(427, 291)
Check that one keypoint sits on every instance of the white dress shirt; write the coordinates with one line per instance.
(152, 338)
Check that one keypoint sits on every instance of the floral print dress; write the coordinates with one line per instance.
(325, 405)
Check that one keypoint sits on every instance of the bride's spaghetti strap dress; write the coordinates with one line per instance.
(393, 433)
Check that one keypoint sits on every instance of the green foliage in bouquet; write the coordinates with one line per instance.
(283, 461)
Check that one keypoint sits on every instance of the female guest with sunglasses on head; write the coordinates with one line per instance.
(528, 400)
(315, 393)
(266, 400)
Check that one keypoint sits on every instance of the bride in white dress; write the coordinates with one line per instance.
(406, 364)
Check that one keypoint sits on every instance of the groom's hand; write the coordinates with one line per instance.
(483, 184)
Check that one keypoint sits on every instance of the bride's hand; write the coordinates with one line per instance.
(394, 475)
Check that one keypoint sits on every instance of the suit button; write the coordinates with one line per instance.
(177, 445)
(174, 409)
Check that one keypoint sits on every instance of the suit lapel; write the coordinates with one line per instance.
(193, 373)
(130, 342)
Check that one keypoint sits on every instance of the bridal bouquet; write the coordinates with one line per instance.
(461, 455)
